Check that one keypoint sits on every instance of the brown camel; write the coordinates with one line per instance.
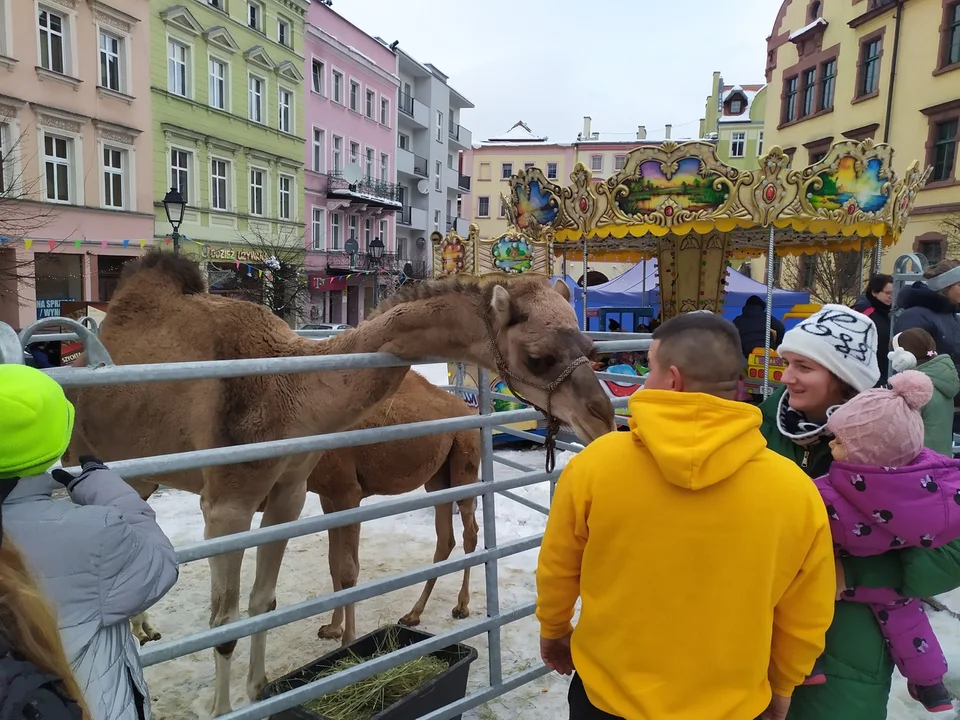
(161, 312)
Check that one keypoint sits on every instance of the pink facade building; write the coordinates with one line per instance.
(350, 178)
(75, 150)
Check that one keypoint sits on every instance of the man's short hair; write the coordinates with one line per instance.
(705, 349)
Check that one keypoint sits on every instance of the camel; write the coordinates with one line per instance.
(162, 312)
(345, 476)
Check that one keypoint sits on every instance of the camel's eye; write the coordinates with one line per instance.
(540, 364)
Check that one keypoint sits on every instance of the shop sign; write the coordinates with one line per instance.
(51, 308)
(219, 253)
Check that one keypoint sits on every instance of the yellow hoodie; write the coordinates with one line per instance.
(704, 562)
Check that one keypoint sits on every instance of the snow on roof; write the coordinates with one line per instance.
(519, 133)
(747, 91)
(807, 28)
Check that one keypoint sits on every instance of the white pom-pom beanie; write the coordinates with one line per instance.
(842, 340)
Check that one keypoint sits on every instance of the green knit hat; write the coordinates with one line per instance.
(36, 421)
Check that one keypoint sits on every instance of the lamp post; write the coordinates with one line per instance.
(174, 205)
(375, 251)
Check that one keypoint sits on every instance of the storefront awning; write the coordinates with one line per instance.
(324, 283)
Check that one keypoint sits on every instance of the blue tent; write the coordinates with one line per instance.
(626, 291)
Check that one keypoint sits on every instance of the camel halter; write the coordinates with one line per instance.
(506, 374)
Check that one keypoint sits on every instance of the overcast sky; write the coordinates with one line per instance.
(549, 63)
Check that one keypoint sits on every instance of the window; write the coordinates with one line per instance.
(506, 171)
(439, 126)
(618, 162)
(384, 111)
(384, 167)
(383, 232)
(255, 15)
(869, 68)
(483, 207)
(738, 144)
(286, 197)
(318, 74)
(337, 155)
(180, 172)
(403, 141)
(177, 68)
(218, 184)
(368, 164)
(789, 112)
(596, 163)
(551, 171)
(338, 87)
(809, 91)
(355, 96)
(438, 176)
(354, 153)
(950, 39)
(371, 103)
(58, 157)
(319, 227)
(218, 84)
(286, 103)
(760, 143)
(828, 82)
(526, 166)
(113, 177)
(256, 191)
(401, 248)
(945, 149)
(52, 41)
(218, 4)
(436, 219)
(110, 61)
(736, 106)
(932, 250)
(367, 232)
(503, 209)
(353, 228)
(336, 231)
(283, 32)
(256, 99)
(318, 150)
(6, 169)
(809, 271)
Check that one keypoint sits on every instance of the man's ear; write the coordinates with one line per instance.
(676, 380)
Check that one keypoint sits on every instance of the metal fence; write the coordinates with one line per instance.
(488, 488)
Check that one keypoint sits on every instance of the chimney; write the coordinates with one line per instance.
(586, 127)
(641, 132)
(667, 130)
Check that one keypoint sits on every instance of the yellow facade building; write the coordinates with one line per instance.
(878, 69)
(734, 117)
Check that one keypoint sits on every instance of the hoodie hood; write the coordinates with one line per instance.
(919, 295)
(943, 374)
(697, 440)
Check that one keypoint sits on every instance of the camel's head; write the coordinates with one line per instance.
(538, 338)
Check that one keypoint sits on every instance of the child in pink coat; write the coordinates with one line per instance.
(885, 491)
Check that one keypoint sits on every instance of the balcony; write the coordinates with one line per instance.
(461, 225)
(344, 262)
(410, 164)
(412, 111)
(403, 216)
(464, 183)
(378, 193)
(460, 135)
(412, 217)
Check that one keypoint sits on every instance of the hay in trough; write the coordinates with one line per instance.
(364, 699)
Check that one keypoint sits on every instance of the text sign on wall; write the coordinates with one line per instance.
(51, 308)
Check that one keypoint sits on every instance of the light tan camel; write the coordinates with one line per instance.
(161, 312)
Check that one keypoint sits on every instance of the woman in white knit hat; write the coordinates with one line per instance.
(830, 357)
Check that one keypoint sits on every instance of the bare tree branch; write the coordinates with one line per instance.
(829, 277)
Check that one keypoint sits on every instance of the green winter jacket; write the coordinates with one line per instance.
(938, 413)
(856, 662)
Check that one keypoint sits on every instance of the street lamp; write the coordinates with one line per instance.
(174, 205)
(375, 252)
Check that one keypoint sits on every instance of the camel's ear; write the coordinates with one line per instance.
(561, 287)
(500, 303)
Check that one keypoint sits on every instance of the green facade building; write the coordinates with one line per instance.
(227, 95)
(733, 117)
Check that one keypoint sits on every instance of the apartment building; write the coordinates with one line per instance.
(733, 118)
(430, 144)
(75, 143)
(352, 197)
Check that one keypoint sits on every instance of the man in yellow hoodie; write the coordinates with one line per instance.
(703, 561)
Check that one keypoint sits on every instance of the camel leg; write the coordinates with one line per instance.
(349, 572)
(333, 630)
(284, 504)
(470, 533)
(224, 516)
(140, 626)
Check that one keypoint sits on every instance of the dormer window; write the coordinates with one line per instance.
(736, 106)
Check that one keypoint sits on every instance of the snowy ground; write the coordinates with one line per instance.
(180, 689)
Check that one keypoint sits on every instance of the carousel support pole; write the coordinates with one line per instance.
(769, 314)
(563, 263)
(876, 269)
(583, 313)
(644, 289)
(863, 252)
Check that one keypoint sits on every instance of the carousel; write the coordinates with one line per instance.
(678, 203)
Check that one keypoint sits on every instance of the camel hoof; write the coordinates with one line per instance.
(154, 636)
(330, 632)
(254, 688)
(461, 612)
(410, 620)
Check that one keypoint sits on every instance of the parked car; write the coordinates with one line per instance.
(326, 326)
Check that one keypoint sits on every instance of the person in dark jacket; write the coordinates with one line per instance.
(100, 557)
(932, 305)
(751, 323)
(875, 304)
(38, 351)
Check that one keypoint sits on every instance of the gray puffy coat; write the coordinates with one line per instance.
(101, 559)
